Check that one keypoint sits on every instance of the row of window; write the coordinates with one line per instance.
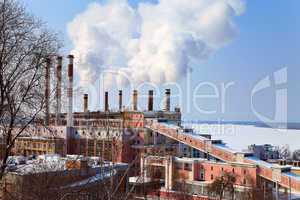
(233, 170)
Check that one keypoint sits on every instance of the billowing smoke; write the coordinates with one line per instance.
(153, 42)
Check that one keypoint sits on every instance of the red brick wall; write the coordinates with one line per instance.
(213, 170)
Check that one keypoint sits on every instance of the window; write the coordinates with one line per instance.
(212, 168)
(211, 176)
(232, 170)
(244, 182)
(222, 169)
(245, 172)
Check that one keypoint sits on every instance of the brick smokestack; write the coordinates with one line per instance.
(150, 100)
(120, 100)
(47, 90)
(106, 106)
(167, 100)
(85, 102)
(58, 89)
(135, 100)
(70, 91)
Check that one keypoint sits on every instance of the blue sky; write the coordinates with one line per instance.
(268, 40)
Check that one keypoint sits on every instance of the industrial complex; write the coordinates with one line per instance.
(151, 152)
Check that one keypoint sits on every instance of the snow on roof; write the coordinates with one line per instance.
(292, 175)
(223, 146)
(260, 162)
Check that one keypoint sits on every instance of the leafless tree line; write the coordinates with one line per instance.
(25, 46)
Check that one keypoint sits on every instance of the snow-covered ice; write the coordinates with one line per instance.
(239, 137)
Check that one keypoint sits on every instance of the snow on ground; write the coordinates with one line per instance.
(239, 137)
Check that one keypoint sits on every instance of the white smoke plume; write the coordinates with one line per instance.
(153, 42)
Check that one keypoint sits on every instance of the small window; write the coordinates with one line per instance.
(211, 176)
(212, 168)
(232, 170)
(245, 172)
(244, 182)
(222, 169)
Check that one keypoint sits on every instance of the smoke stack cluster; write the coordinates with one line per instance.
(85, 103)
(135, 100)
(106, 106)
(70, 91)
(167, 101)
(58, 89)
(47, 90)
(150, 100)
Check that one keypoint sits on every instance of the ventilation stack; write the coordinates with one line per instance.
(58, 89)
(85, 103)
(70, 91)
(134, 100)
(120, 100)
(167, 102)
(150, 100)
(47, 90)
(106, 106)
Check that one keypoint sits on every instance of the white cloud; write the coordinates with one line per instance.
(155, 42)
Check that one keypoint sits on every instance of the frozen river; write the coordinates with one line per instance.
(239, 137)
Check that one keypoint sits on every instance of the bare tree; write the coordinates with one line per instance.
(285, 152)
(222, 184)
(296, 155)
(25, 45)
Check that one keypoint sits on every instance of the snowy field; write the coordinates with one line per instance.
(239, 137)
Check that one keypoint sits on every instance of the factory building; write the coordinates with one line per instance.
(147, 140)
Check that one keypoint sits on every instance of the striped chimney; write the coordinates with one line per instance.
(47, 90)
(70, 91)
(58, 89)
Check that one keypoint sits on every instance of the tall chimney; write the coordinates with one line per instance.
(150, 100)
(106, 106)
(70, 91)
(120, 100)
(58, 89)
(85, 103)
(47, 90)
(134, 100)
(167, 100)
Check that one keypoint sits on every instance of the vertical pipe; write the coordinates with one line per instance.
(70, 91)
(120, 100)
(58, 89)
(134, 100)
(106, 106)
(167, 100)
(150, 100)
(47, 90)
(85, 102)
